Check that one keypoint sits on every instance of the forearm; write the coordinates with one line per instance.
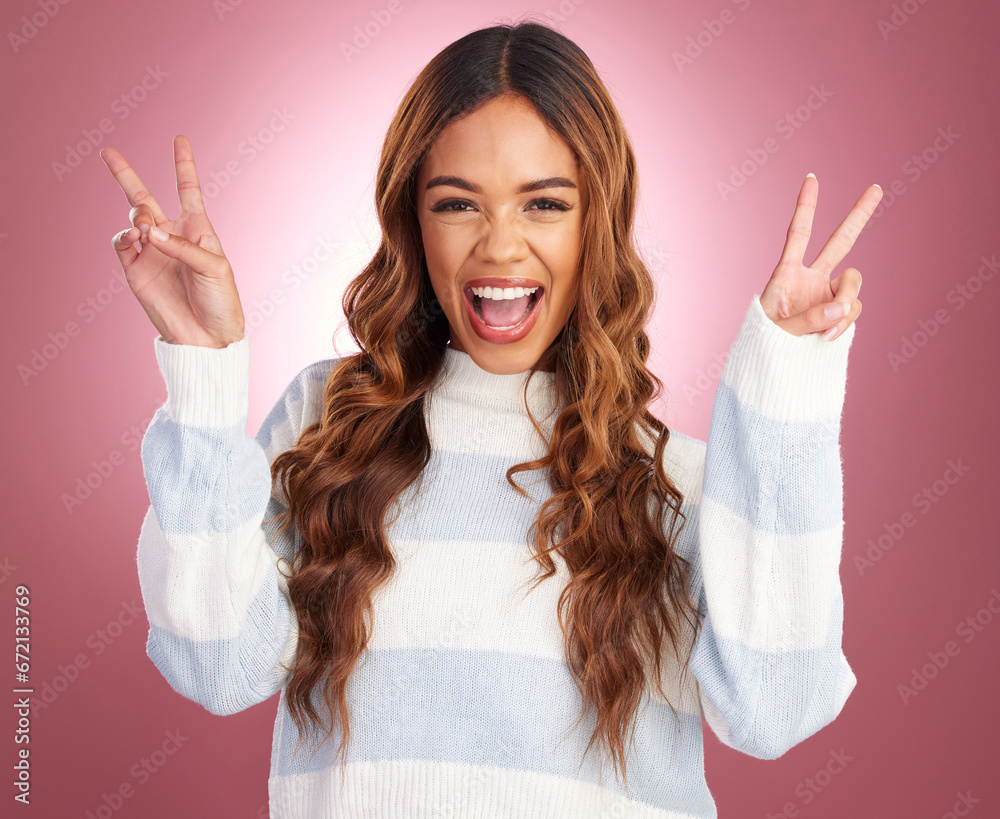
(220, 620)
(769, 659)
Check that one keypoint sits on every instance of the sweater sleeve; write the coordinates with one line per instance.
(769, 659)
(222, 630)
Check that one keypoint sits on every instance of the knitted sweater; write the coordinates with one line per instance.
(463, 702)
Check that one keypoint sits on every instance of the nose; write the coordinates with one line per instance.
(502, 242)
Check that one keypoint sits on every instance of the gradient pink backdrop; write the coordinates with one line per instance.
(217, 72)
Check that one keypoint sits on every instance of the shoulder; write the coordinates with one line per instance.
(684, 463)
(310, 379)
(300, 406)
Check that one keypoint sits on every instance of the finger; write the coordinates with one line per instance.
(123, 245)
(202, 262)
(839, 327)
(141, 216)
(849, 277)
(188, 186)
(129, 182)
(844, 236)
(845, 286)
(823, 317)
(800, 227)
(816, 319)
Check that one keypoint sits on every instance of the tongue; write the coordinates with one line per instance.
(503, 312)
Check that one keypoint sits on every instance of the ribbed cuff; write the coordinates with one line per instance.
(786, 377)
(206, 386)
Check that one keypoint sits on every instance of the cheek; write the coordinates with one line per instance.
(442, 276)
(436, 263)
(440, 249)
(563, 261)
(445, 253)
(563, 245)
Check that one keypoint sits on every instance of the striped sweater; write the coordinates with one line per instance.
(463, 704)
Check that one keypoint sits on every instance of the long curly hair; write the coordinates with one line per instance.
(614, 515)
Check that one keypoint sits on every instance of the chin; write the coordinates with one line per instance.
(500, 359)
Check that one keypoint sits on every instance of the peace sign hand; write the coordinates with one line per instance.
(802, 299)
(181, 276)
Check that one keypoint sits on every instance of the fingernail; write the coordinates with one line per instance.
(810, 174)
(835, 311)
(159, 234)
(831, 334)
(144, 229)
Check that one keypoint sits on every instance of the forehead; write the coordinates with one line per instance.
(501, 144)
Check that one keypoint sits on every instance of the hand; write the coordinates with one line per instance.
(802, 299)
(184, 281)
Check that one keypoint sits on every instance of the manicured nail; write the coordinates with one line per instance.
(811, 174)
(835, 311)
(159, 234)
(831, 334)
(876, 185)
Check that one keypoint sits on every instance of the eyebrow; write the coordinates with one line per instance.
(526, 187)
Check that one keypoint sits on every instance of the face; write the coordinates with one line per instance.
(501, 205)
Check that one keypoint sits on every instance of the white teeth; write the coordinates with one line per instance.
(500, 293)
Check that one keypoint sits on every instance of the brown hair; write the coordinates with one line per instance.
(614, 515)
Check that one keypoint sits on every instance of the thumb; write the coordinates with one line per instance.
(199, 259)
(815, 319)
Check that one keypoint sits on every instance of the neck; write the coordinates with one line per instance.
(460, 374)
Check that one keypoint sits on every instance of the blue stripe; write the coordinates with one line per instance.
(462, 496)
(203, 479)
(283, 544)
(191, 491)
(227, 676)
(496, 709)
(764, 696)
(465, 496)
(783, 477)
(687, 545)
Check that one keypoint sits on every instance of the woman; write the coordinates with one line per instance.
(496, 422)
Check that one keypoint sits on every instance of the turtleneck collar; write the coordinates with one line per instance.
(460, 374)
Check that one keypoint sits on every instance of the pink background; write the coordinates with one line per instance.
(216, 72)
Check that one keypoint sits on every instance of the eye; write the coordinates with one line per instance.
(451, 206)
(465, 206)
(550, 204)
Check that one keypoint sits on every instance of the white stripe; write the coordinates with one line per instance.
(684, 463)
(847, 684)
(201, 588)
(786, 377)
(470, 595)
(770, 592)
(206, 387)
(420, 789)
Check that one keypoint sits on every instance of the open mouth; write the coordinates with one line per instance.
(503, 314)
(506, 312)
